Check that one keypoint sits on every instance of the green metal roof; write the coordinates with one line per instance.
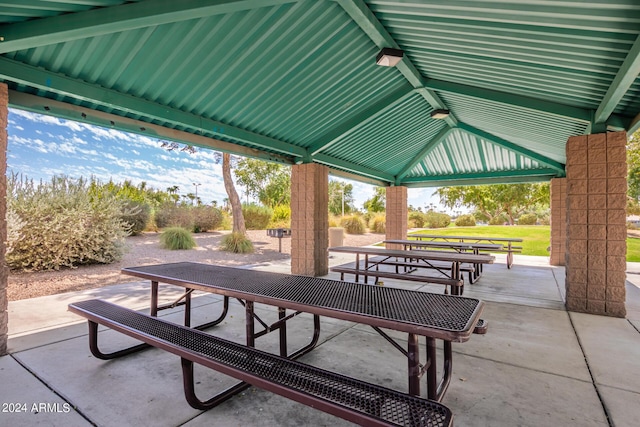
(296, 81)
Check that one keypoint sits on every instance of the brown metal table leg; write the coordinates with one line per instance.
(432, 369)
(413, 359)
(154, 299)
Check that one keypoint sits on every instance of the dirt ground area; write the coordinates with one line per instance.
(144, 250)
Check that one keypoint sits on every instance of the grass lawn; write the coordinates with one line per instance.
(535, 237)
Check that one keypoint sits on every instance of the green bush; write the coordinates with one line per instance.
(437, 220)
(176, 238)
(281, 217)
(334, 221)
(466, 221)
(226, 223)
(498, 220)
(528, 219)
(256, 217)
(416, 219)
(378, 223)
(237, 243)
(353, 224)
(137, 215)
(61, 224)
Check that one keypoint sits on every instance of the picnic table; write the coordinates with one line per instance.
(474, 274)
(417, 314)
(440, 267)
(509, 250)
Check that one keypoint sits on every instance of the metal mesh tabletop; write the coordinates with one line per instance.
(441, 316)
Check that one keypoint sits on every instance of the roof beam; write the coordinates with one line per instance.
(45, 106)
(422, 154)
(625, 77)
(557, 166)
(353, 167)
(362, 15)
(576, 113)
(482, 178)
(355, 123)
(78, 89)
(107, 20)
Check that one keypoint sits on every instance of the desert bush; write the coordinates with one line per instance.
(226, 223)
(137, 215)
(237, 243)
(177, 238)
(466, 221)
(194, 218)
(256, 217)
(334, 221)
(378, 223)
(437, 219)
(61, 224)
(416, 219)
(528, 219)
(205, 218)
(353, 224)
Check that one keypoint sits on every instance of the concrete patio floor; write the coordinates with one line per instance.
(538, 365)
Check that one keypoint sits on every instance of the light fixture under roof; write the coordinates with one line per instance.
(439, 114)
(389, 57)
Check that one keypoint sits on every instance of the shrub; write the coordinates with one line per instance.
(334, 221)
(237, 243)
(226, 223)
(281, 217)
(416, 219)
(498, 220)
(194, 218)
(466, 221)
(137, 215)
(528, 219)
(205, 218)
(256, 217)
(176, 238)
(61, 224)
(378, 223)
(352, 224)
(170, 215)
(437, 220)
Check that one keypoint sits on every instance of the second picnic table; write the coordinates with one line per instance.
(510, 249)
(375, 258)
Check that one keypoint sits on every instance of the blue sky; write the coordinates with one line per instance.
(43, 146)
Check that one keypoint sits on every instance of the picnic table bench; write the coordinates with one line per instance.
(354, 400)
(509, 250)
(441, 267)
(418, 314)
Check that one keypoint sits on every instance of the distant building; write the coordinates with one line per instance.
(634, 220)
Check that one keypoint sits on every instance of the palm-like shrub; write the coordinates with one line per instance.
(177, 238)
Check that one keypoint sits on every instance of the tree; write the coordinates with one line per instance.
(234, 199)
(378, 202)
(268, 182)
(338, 192)
(492, 201)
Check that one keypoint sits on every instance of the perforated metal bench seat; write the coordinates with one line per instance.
(348, 398)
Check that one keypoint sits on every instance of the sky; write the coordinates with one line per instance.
(41, 147)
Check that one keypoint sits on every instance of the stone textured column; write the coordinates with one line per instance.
(596, 232)
(4, 315)
(396, 216)
(309, 219)
(558, 221)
